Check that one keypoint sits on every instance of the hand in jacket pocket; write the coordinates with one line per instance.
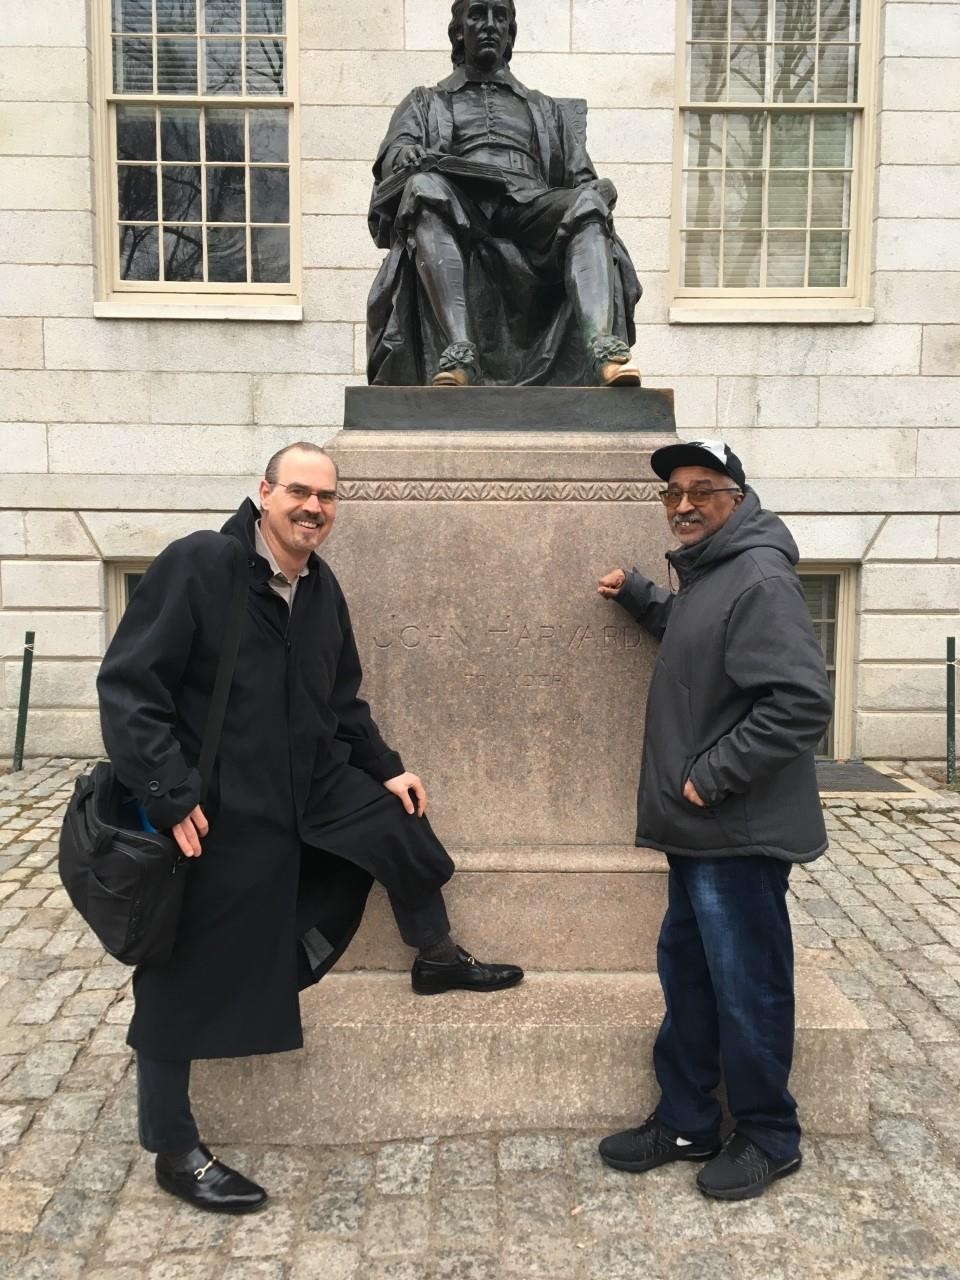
(690, 793)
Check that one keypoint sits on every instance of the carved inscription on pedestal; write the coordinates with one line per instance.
(523, 653)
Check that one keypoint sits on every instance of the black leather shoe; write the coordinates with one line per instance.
(430, 978)
(743, 1170)
(199, 1178)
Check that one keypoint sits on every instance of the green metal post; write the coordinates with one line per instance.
(951, 710)
(25, 675)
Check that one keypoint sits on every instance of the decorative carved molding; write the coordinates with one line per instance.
(498, 490)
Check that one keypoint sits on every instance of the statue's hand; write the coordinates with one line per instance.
(607, 190)
(408, 156)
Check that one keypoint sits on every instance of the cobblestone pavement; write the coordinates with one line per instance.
(881, 910)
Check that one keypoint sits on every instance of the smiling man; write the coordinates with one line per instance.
(728, 791)
(307, 806)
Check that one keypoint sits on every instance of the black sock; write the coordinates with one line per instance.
(443, 951)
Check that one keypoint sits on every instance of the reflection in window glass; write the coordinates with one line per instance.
(271, 254)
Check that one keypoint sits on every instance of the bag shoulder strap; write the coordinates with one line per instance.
(221, 685)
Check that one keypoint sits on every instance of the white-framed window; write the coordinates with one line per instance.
(829, 593)
(197, 155)
(123, 577)
(774, 130)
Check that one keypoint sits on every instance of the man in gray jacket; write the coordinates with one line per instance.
(728, 791)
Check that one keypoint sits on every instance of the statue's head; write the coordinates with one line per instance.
(482, 31)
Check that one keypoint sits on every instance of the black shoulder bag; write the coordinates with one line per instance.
(128, 883)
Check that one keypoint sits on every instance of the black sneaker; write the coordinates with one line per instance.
(651, 1145)
(743, 1170)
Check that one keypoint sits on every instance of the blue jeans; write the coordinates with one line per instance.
(725, 958)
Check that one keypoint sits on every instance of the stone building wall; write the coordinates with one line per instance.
(117, 435)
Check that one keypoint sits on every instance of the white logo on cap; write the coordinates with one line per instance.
(716, 447)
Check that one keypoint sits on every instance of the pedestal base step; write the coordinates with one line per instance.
(589, 907)
(562, 1050)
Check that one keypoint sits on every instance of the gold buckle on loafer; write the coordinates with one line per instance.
(198, 1173)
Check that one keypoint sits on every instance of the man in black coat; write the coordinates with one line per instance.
(307, 806)
(738, 701)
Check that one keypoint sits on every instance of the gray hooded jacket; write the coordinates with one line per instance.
(738, 700)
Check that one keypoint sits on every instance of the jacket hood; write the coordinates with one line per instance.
(748, 529)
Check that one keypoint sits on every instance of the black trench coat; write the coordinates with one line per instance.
(299, 821)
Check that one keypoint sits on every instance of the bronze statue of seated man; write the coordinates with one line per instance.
(504, 266)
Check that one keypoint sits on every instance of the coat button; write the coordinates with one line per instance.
(153, 786)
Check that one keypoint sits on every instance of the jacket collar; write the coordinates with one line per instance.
(503, 75)
(242, 525)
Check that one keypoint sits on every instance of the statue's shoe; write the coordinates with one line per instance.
(612, 362)
(458, 366)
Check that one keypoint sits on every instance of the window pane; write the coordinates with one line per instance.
(136, 133)
(708, 19)
(838, 73)
(748, 72)
(796, 19)
(828, 259)
(137, 192)
(176, 66)
(132, 66)
(176, 15)
(745, 141)
(790, 141)
(265, 15)
(787, 199)
(139, 257)
(743, 199)
(222, 72)
(268, 135)
(182, 253)
(833, 142)
(786, 259)
(269, 195)
(226, 194)
(221, 15)
(225, 136)
(830, 205)
(708, 72)
(741, 259)
(793, 73)
(227, 254)
(704, 140)
(181, 193)
(703, 199)
(748, 20)
(839, 20)
(132, 15)
(701, 259)
(265, 66)
(270, 252)
(179, 133)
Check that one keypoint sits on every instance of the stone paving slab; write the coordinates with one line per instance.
(880, 911)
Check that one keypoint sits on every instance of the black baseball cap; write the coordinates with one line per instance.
(699, 453)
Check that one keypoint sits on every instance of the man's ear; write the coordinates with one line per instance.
(738, 498)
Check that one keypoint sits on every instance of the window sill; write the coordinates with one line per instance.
(700, 311)
(117, 309)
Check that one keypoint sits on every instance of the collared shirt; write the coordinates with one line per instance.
(278, 582)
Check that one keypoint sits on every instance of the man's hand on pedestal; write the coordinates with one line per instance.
(611, 584)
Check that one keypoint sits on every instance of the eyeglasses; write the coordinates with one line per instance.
(300, 493)
(698, 494)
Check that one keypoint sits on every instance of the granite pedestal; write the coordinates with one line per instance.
(469, 555)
